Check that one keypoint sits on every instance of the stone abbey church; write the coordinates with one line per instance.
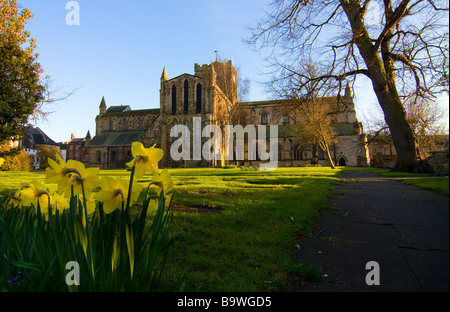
(210, 94)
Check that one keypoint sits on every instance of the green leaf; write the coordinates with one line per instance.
(116, 252)
(130, 246)
(24, 265)
(81, 234)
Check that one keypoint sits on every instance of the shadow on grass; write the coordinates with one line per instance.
(250, 244)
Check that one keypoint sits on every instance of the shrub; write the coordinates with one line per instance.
(17, 162)
(249, 168)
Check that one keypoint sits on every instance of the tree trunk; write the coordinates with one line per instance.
(323, 144)
(330, 160)
(409, 155)
(315, 155)
(381, 71)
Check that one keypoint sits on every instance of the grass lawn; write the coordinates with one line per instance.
(437, 184)
(239, 228)
(244, 234)
(424, 181)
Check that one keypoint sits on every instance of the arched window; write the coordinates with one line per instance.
(264, 117)
(99, 156)
(186, 96)
(110, 125)
(199, 98)
(321, 153)
(113, 157)
(298, 153)
(125, 125)
(175, 124)
(280, 152)
(243, 119)
(174, 100)
(140, 124)
(342, 162)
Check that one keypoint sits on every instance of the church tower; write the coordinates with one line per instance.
(202, 95)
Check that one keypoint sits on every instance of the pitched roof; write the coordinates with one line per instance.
(118, 109)
(35, 136)
(125, 138)
(345, 128)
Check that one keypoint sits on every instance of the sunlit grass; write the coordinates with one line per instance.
(437, 184)
(243, 228)
(239, 228)
(422, 180)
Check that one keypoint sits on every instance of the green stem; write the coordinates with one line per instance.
(130, 187)
(85, 205)
(89, 256)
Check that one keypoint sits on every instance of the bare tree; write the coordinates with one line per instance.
(51, 96)
(226, 81)
(396, 44)
(232, 89)
(314, 126)
(425, 118)
(313, 114)
(226, 97)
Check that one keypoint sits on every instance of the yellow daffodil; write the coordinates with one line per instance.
(90, 207)
(72, 173)
(114, 193)
(46, 196)
(35, 193)
(16, 200)
(166, 184)
(145, 159)
(82, 176)
(2, 160)
(163, 181)
(59, 201)
(90, 203)
(58, 173)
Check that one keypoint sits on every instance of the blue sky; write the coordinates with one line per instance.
(120, 48)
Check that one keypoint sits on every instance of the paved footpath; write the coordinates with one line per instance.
(401, 227)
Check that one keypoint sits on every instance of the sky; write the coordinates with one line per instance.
(120, 47)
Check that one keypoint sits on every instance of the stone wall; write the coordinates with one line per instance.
(211, 94)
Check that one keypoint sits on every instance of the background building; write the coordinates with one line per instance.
(76, 147)
(211, 93)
